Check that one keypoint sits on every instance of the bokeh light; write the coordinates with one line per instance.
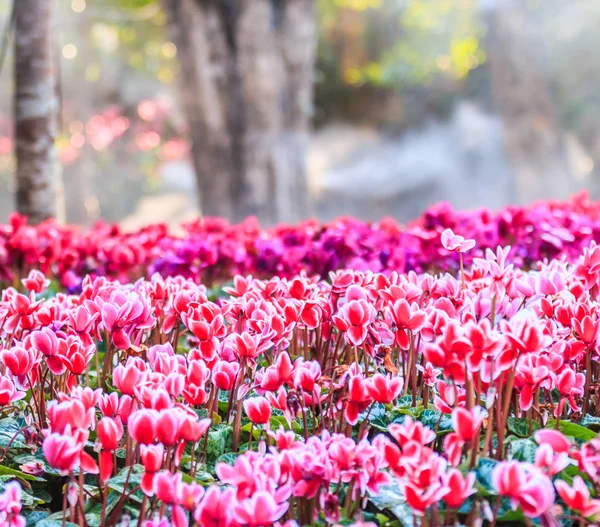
(69, 51)
(78, 6)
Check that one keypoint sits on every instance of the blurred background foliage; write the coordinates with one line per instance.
(391, 66)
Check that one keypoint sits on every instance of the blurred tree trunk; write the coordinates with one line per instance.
(35, 111)
(247, 73)
(521, 96)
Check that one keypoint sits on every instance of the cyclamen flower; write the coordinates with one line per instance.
(557, 441)
(8, 392)
(455, 243)
(577, 497)
(35, 282)
(127, 378)
(467, 423)
(246, 346)
(551, 461)
(260, 510)
(76, 356)
(152, 459)
(224, 375)
(46, 342)
(216, 509)
(258, 410)
(385, 389)
(19, 360)
(353, 319)
(569, 385)
(109, 433)
(10, 506)
(359, 398)
(65, 453)
(406, 318)
(143, 425)
(460, 487)
(526, 486)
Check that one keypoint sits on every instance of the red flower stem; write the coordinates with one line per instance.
(588, 381)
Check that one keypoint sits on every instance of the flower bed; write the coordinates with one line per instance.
(213, 251)
(366, 398)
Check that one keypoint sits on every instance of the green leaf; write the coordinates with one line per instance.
(405, 400)
(33, 517)
(6, 471)
(389, 498)
(483, 482)
(507, 515)
(398, 413)
(94, 515)
(54, 523)
(228, 458)
(255, 430)
(22, 459)
(204, 478)
(39, 494)
(379, 419)
(520, 426)
(10, 433)
(522, 450)
(117, 483)
(278, 421)
(591, 421)
(573, 430)
(218, 440)
(382, 519)
(430, 418)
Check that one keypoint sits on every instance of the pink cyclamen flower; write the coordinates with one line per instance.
(354, 319)
(65, 453)
(127, 378)
(456, 243)
(259, 510)
(554, 438)
(224, 374)
(142, 426)
(8, 392)
(258, 410)
(109, 432)
(35, 281)
(547, 459)
(577, 497)
(385, 389)
(19, 360)
(216, 507)
(420, 499)
(460, 487)
(466, 423)
(359, 398)
(10, 506)
(525, 485)
(152, 459)
(46, 342)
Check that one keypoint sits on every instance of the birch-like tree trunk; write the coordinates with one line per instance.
(35, 111)
(246, 74)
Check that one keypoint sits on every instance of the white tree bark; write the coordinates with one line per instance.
(35, 111)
